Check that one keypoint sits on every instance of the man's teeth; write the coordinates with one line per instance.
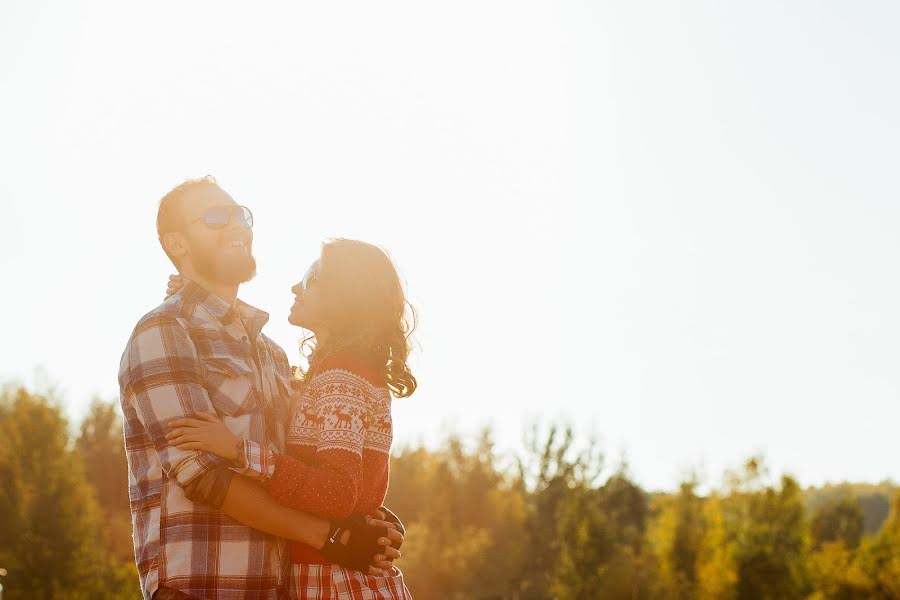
(235, 244)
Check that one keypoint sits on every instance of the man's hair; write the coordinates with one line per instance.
(169, 217)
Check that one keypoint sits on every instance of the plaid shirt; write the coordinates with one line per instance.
(196, 353)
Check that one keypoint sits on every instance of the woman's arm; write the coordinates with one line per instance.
(328, 488)
(329, 484)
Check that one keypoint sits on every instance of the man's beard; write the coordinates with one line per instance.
(231, 270)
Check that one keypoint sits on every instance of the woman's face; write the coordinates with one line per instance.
(307, 309)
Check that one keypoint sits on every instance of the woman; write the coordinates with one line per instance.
(336, 464)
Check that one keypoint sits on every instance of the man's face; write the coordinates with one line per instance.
(222, 254)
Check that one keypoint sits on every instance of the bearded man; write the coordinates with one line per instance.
(201, 530)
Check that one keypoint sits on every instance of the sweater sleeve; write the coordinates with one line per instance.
(328, 486)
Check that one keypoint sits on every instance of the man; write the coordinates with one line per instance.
(200, 529)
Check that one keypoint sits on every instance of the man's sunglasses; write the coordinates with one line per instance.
(218, 217)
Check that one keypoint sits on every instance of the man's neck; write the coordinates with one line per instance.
(225, 291)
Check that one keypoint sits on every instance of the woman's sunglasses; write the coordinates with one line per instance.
(311, 276)
(218, 217)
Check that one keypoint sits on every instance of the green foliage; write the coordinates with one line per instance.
(879, 557)
(767, 528)
(675, 536)
(101, 448)
(553, 527)
(838, 520)
(49, 534)
(465, 536)
(874, 500)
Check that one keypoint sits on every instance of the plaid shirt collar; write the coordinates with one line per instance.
(194, 296)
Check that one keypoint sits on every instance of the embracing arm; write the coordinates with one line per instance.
(248, 502)
(363, 545)
(361, 542)
(329, 487)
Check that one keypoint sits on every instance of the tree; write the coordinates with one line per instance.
(600, 535)
(838, 519)
(767, 532)
(675, 536)
(550, 471)
(102, 451)
(465, 517)
(879, 557)
(49, 533)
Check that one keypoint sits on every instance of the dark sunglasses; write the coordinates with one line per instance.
(311, 276)
(218, 217)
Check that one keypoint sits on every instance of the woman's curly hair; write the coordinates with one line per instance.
(365, 310)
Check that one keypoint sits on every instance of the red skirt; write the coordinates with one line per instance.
(331, 582)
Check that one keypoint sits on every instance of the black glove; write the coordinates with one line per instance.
(363, 544)
(390, 517)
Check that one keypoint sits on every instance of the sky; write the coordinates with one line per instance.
(674, 225)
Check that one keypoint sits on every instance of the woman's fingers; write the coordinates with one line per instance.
(390, 545)
(391, 553)
(180, 431)
(395, 535)
(186, 422)
(387, 524)
(378, 515)
(375, 572)
(185, 435)
(175, 441)
(175, 283)
(191, 446)
(208, 417)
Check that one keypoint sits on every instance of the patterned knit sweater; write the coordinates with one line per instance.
(338, 447)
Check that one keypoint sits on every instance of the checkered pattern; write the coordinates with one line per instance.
(255, 461)
(195, 353)
(330, 582)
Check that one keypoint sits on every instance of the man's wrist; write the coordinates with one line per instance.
(239, 458)
(320, 533)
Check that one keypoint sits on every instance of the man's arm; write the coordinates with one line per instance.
(248, 502)
(161, 380)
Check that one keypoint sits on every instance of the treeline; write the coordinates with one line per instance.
(553, 522)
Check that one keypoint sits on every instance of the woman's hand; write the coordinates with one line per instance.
(205, 433)
(383, 564)
(176, 282)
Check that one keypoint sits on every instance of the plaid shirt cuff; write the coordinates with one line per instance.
(255, 461)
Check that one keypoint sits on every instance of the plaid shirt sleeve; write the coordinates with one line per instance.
(255, 461)
(163, 380)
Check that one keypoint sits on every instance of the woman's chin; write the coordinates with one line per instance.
(298, 319)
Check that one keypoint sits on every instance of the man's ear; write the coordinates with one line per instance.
(175, 244)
